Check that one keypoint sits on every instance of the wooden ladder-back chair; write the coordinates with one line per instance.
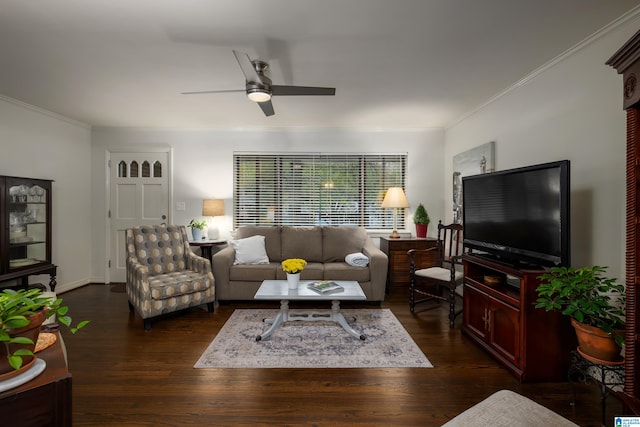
(433, 269)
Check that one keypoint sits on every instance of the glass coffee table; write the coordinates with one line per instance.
(279, 290)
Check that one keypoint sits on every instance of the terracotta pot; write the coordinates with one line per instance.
(596, 343)
(31, 331)
(421, 230)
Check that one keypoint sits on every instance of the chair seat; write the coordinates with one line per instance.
(177, 283)
(438, 273)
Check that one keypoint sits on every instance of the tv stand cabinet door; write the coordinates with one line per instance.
(504, 327)
(492, 324)
(476, 312)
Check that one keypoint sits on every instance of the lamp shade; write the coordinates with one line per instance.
(395, 198)
(212, 207)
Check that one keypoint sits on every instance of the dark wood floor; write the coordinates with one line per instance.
(127, 377)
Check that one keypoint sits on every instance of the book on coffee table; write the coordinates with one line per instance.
(325, 287)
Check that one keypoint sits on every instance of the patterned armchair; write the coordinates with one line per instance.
(163, 275)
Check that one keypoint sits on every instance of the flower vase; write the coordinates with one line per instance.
(293, 280)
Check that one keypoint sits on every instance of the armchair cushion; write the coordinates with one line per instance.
(159, 248)
(177, 283)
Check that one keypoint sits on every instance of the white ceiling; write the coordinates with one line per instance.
(394, 63)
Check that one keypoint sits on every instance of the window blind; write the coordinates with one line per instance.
(306, 189)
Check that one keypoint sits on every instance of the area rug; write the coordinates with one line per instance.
(313, 344)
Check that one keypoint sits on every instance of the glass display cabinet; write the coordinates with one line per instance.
(25, 235)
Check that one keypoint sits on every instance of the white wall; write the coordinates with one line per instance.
(571, 110)
(37, 144)
(203, 165)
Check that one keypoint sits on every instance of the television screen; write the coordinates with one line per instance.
(519, 216)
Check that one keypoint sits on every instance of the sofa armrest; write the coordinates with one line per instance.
(222, 262)
(378, 265)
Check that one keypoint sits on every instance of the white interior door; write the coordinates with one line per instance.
(139, 195)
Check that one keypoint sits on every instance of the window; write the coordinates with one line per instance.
(308, 189)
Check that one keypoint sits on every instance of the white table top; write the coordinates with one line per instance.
(279, 290)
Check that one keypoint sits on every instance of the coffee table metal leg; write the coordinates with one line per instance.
(337, 316)
(282, 316)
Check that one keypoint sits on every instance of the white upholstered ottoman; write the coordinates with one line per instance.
(506, 408)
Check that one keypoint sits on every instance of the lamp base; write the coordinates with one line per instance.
(394, 235)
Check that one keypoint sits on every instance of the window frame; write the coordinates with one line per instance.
(267, 191)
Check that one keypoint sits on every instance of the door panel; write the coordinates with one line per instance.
(153, 205)
(139, 195)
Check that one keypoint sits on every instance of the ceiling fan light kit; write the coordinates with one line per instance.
(258, 95)
(258, 86)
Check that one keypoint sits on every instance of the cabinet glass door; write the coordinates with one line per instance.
(27, 207)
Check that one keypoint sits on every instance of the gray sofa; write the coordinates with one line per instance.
(324, 249)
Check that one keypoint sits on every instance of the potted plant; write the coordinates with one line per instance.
(421, 220)
(21, 315)
(197, 228)
(594, 303)
(293, 267)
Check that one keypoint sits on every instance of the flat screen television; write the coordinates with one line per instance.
(519, 216)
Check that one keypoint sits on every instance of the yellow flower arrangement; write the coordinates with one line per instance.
(293, 265)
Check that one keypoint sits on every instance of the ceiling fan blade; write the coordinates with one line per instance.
(247, 67)
(277, 90)
(267, 108)
(213, 91)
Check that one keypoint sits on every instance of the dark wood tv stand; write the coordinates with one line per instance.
(532, 344)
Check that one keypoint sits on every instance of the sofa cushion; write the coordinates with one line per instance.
(343, 271)
(250, 250)
(272, 239)
(312, 271)
(254, 272)
(305, 243)
(338, 242)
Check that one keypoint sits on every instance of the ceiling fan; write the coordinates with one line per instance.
(259, 88)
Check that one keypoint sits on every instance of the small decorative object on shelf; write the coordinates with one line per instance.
(325, 287)
(293, 267)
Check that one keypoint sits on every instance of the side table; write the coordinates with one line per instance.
(206, 247)
(607, 376)
(396, 250)
(46, 399)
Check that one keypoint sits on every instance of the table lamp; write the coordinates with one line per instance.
(395, 199)
(212, 208)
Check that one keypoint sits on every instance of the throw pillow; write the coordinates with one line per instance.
(250, 250)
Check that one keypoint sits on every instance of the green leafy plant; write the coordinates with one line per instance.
(200, 225)
(15, 308)
(420, 216)
(586, 295)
